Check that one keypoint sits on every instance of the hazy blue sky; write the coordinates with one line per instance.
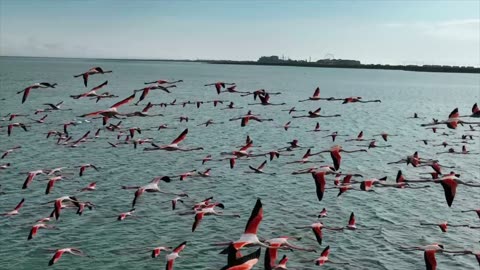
(397, 32)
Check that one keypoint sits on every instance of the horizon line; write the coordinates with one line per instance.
(229, 60)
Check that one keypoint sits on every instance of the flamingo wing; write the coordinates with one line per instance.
(56, 257)
(454, 114)
(475, 109)
(19, 205)
(248, 145)
(325, 252)
(316, 94)
(262, 165)
(181, 137)
(99, 86)
(351, 221)
(25, 94)
(198, 219)
(337, 159)
(450, 189)
(317, 231)
(255, 218)
(320, 183)
(430, 261)
(123, 102)
(180, 247)
(33, 232)
(244, 263)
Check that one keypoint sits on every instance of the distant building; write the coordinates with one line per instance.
(336, 62)
(269, 59)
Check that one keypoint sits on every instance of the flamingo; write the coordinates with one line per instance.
(37, 227)
(41, 120)
(335, 154)
(317, 228)
(90, 187)
(334, 135)
(373, 144)
(231, 105)
(265, 101)
(164, 82)
(26, 91)
(315, 114)
(177, 199)
(400, 182)
(429, 252)
(291, 110)
(208, 123)
(449, 183)
(385, 135)
(12, 116)
(58, 204)
(124, 215)
(91, 93)
(219, 86)
(146, 90)
(152, 186)
(317, 128)
(82, 205)
(243, 152)
(16, 210)
(184, 175)
(206, 211)
(51, 183)
(316, 96)
(112, 111)
(206, 158)
(205, 173)
(92, 71)
(324, 258)
(359, 137)
(174, 255)
(31, 176)
(173, 146)
(452, 151)
(102, 96)
(259, 169)
(11, 150)
(443, 226)
(144, 112)
(216, 102)
(452, 121)
(55, 107)
(358, 99)
(86, 166)
(59, 252)
(11, 126)
(156, 251)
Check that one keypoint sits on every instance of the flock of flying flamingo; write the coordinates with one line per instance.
(341, 182)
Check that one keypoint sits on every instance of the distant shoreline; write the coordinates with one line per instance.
(416, 68)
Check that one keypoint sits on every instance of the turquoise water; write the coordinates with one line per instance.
(289, 200)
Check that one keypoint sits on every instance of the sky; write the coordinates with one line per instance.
(384, 32)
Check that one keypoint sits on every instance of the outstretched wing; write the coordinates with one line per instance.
(181, 137)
